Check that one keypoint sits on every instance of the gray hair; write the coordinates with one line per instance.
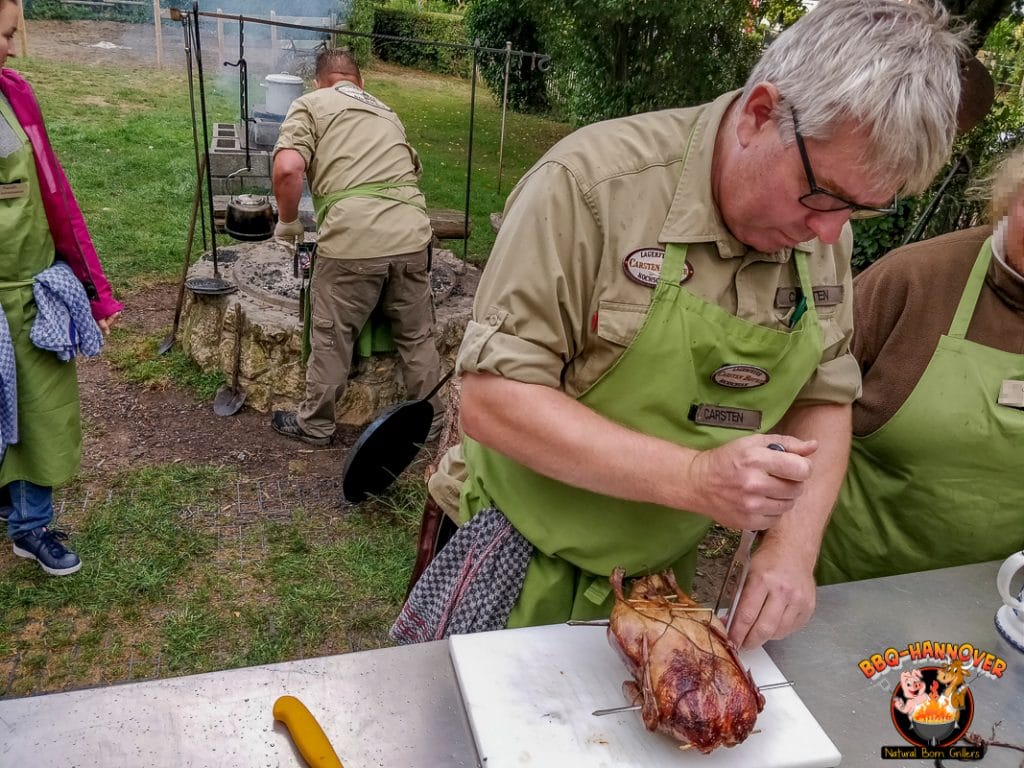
(891, 66)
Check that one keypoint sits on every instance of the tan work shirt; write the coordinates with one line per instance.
(348, 137)
(560, 299)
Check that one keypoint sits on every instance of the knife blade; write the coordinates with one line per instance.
(736, 576)
(732, 585)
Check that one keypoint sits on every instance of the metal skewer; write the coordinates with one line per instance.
(604, 622)
(636, 707)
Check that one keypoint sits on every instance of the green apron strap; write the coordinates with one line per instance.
(972, 289)
(323, 203)
(672, 266)
(307, 310)
(598, 590)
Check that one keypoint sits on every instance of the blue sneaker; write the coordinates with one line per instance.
(44, 546)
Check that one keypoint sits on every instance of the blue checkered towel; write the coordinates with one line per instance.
(8, 388)
(64, 324)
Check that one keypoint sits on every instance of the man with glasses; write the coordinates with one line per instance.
(818, 199)
(668, 297)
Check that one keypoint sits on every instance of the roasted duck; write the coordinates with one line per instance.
(686, 674)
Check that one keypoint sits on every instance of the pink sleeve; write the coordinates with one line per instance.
(71, 236)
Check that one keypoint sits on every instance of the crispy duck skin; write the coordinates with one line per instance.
(686, 674)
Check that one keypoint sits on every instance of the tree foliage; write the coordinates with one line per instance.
(495, 23)
(620, 57)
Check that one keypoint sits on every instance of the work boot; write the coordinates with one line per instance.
(44, 546)
(287, 424)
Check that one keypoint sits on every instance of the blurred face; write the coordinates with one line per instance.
(8, 26)
(760, 185)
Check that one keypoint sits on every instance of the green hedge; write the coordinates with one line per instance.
(441, 27)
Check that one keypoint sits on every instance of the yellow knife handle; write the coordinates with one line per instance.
(306, 732)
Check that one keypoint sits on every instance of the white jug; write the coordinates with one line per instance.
(1010, 617)
(282, 90)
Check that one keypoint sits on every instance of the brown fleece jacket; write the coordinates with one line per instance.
(905, 302)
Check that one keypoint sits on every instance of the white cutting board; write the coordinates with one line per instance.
(530, 693)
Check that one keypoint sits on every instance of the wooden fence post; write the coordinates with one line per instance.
(220, 36)
(273, 42)
(22, 32)
(158, 35)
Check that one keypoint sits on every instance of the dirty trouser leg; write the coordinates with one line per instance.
(344, 293)
(409, 305)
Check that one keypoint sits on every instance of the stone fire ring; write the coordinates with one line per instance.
(271, 372)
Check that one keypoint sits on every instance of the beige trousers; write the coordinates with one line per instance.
(343, 293)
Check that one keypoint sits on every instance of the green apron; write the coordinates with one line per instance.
(580, 536)
(375, 337)
(49, 428)
(938, 484)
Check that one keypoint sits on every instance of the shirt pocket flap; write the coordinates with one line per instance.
(618, 322)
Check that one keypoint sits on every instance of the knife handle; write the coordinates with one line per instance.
(306, 732)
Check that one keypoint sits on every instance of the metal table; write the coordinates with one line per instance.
(394, 708)
(398, 707)
(856, 620)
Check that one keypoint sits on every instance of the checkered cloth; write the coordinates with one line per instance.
(470, 586)
(8, 388)
(64, 324)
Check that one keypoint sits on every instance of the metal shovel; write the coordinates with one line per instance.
(228, 400)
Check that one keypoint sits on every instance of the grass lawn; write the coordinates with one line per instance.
(126, 143)
(192, 568)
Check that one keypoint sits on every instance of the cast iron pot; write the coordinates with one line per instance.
(250, 218)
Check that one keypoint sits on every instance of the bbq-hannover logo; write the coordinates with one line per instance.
(932, 706)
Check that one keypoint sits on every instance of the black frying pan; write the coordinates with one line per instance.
(388, 446)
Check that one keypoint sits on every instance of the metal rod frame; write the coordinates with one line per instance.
(540, 60)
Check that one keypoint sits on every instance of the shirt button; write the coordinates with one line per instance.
(492, 319)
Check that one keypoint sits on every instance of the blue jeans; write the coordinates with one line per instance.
(29, 506)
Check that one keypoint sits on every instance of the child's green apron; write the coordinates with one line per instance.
(50, 435)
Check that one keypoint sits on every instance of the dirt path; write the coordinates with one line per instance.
(129, 426)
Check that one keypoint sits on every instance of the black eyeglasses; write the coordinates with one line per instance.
(822, 200)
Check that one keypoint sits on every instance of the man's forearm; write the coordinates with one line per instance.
(549, 432)
(741, 484)
(287, 191)
(288, 175)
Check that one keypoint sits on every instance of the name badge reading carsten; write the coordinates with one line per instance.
(643, 266)
(823, 295)
(13, 190)
(740, 376)
(1011, 393)
(728, 418)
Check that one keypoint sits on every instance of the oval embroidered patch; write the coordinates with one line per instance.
(740, 376)
(643, 266)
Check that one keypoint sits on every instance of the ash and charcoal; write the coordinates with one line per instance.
(276, 280)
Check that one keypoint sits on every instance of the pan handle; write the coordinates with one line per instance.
(441, 383)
